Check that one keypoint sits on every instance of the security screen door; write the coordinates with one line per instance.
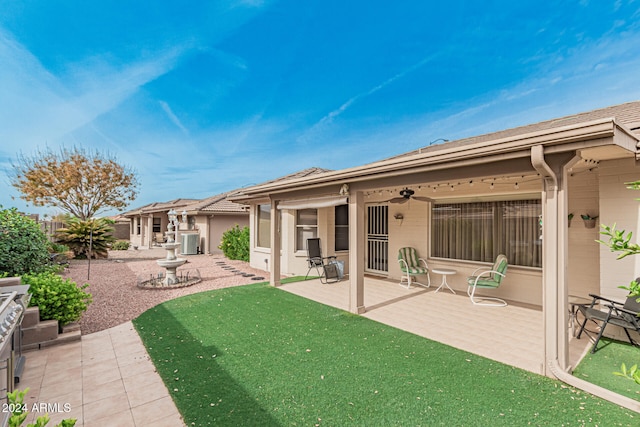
(377, 239)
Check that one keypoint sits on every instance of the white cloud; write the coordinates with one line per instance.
(174, 119)
(38, 106)
(328, 119)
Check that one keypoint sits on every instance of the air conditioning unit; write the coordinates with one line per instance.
(189, 244)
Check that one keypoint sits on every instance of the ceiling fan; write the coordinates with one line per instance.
(407, 194)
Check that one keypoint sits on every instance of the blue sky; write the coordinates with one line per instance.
(207, 96)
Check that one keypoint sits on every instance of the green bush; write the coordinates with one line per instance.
(120, 245)
(79, 235)
(23, 246)
(58, 248)
(58, 299)
(235, 243)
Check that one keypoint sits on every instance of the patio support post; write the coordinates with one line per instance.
(356, 252)
(274, 257)
(148, 230)
(553, 171)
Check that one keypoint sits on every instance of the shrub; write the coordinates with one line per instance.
(79, 235)
(23, 246)
(58, 299)
(235, 243)
(58, 248)
(120, 245)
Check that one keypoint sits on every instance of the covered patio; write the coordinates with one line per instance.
(513, 335)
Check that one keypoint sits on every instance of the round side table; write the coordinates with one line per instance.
(444, 272)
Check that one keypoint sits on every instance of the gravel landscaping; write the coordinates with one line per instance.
(117, 298)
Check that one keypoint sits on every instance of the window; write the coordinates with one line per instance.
(157, 225)
(306, 227)
(480, 231)
(342, 227)
(264, 226)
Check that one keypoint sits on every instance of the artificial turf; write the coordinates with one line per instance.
(598, 368)
(257, 355)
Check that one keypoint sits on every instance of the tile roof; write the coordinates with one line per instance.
(292, 176)
(217, 203)
(627, 114)
(160, 206)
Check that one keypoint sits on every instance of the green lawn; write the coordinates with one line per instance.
(598, 368)
(257, 355)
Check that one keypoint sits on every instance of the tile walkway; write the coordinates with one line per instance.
(106, 379)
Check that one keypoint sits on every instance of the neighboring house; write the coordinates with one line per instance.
(299, 225)
(506, 192)
(208, 218)
(212, 217)
(121, 227)
(149, 223)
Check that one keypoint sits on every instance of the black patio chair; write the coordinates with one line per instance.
(624, 315)
(325, 266)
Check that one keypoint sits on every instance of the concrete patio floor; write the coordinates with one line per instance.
(511, 335)
(106, 379)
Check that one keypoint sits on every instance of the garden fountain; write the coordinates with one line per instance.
(171, 262)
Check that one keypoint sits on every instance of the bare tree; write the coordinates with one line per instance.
(79, 182)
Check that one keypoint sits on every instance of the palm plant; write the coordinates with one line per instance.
(90, 237)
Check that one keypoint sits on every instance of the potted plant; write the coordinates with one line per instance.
(589, 221)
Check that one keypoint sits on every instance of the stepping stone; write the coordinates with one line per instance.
(257, 278)
(248, 275)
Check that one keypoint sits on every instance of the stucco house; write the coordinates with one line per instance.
(212, 216)
(506, 192)
(208, 218)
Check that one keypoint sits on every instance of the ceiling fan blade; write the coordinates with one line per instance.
(398, 200)
(422, 199)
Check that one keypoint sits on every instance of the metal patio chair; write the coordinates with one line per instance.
(624, 315)
(410, 265)
(488, 278)
(325, 266)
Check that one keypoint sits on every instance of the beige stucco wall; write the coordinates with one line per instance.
(294, 262)
(217, 225)
(583, 268)
(618, 205)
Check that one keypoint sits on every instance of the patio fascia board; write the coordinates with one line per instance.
(561, 139)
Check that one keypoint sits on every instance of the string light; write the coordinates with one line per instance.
(497, 182)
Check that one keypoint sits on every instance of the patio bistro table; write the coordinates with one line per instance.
(575, 302)
(444, 272)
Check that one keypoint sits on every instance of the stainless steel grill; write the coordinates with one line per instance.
(13, 303)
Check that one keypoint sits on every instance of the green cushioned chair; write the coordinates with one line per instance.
(488, 279)
(410, 265)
